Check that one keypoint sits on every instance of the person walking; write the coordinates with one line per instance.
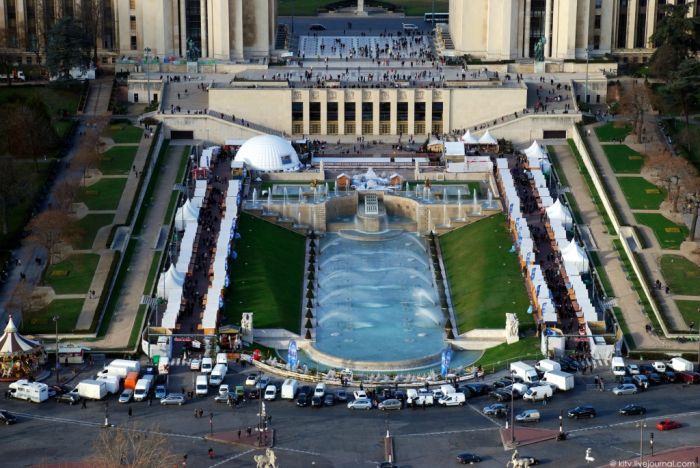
(130, 412)
(84, 403)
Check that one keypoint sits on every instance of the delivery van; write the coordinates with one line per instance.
(201, 385)
(618, 366)
(531, 415)
(217, 375)
(207, 365)
(131, 379)
(289, 389)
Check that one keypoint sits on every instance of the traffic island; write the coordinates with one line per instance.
(526, 436)
(252, 438)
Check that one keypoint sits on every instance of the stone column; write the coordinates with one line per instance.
(651, 21)
(446, 121)
(528, 14)
(360, 7)
(3, 25)
(341, 112)
(358, 112)
(323, 96)
(411, 99)
(393, 112)
(547, 29)
(204, 23)
(428, 111)
(632, 7)
(238, 30)
(375, 112)
(21, 23)
(307, 112)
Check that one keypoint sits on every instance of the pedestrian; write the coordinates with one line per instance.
(196, 413)
(84, 403)
(361, 386)
(239, 433)
(130, 412)
(150, 401)
(210, 452)
(248, 430)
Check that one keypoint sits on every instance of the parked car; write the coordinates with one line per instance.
(583, 411)
(359, 394)
(160, 392)
(70, 398)
(641, 381)
(525, 460)
(478, 388)
(646, 369)
(195, 364)
(632, 369)
(126, 396)
(501, 383)
(317, 27)
(531, 415)
(304, 397)
(341, 395)
(632, 409)
(625, 389)
(263, 382)
(270, 393)
(226, 397)
(500, 395)
(468, 458)
(363, 403)
(497, 409)
(390, 404)
(669, 376)
(173, 399)
(7, 418)
(688, 377)
(328, 399)
(668, 424)
(627, 380)
(252, 379)
(654, 378)
(316, 401)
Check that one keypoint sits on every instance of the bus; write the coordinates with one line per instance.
(436, 17)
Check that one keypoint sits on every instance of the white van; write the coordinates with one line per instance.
(542, 392)
(143, 386)
(320, 389)
(289, 389)
(270, 392)
(201, 385)
(452, 399)
(618, 366)
(207, 365)
(531, 415)
(217, 375)
(222, 358)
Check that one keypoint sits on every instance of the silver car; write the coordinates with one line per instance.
(126, 396)
(173, 399)
(390, 404)
(362, 403)
(625, 389)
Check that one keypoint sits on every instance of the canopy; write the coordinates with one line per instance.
(560, 213)
(187, 213)
(487, 139)
(468, 139)
(454, 148)
(12, 342)
(574, 256)
(535, 151)
(169, 281)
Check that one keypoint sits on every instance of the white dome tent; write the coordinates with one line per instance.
(468, 139)
(187, 213)
(560, 213)
(574, 257)
(487, 139)
(535, 151)
(269, 153)
(169, 281)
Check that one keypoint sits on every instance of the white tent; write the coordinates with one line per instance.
(468, 139)
(454, 148)
(574, 256)
(187, 213)
(560, 213)
(487, 139)
(169, 281)
(535, 151)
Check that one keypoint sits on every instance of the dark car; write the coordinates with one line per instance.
(502, 383)
(7, 418)
(329, 399)
(468, 458)
(317, 27)
(627, 380)
(500, 395)
(341, 395)
(568, 365)
(632, 409)
(304, 398)
(688, 377)
(478, 388)
(253, 394)
(646, 369)
(668, 376)
(654, 378)
(467, 393)
(317, 402)
(641, 381)
(401, 394)
(70, 398)
(584, 411)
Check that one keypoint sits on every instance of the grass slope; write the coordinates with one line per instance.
(623, 159)
(124, 133)
(73, 275)
(41, 321)
(104, 194)
(484, 276)
(117, 160)
(613, 131)
(690, 310)
(641, 194)
(89, 225)
(682, 275)
(669, 234)
(266, 278)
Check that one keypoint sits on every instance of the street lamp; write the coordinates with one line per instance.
(147, 52)
(55, 321)
(641, 425)
(588, 54)
(512, 411)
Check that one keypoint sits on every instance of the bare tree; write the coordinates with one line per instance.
(634, 101)
(50, 229)
(87, 155)
(21, 301)
(674, 172)
(66, 193)
(134, 447)
(91, 15)
(28, 129)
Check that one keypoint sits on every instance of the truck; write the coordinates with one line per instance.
(112, 382)
(618, 366)
(143, 386)
(539, 393)
(452, 399)
(121, 367)
(524, 372)
(563, 381)
(131, 379)
(546, 365)
(36, 392)
(15, 75)
(289, 389)
(679, 364)
(92, 389)
(217, 375)
(420, 398)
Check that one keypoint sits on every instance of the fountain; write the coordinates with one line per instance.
(445, 218)
(284, 205)
(418, 190)
(327, 193)
(335, 189)
(269, 201)
(460, 217)
(301, 196)
(475, 205)
(255, 197)
(315, 194)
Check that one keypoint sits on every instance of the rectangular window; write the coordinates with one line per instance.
(419, 128)
(437, 112)
(297, 128)
(384, 128)
(332, 128)
(297, 111)
(132, 4)
(419, 111)
(640, 38)
(596, 42)
(402, 128)
(332, 112)
(402, 112)
(315, 111)
(384, 111)
(599, 4)
(315, 128)
(350, 127)
(132, 23)
(133, 43)
(367, 113)
(367, 128)
(596, 23)
(437, 128)
(349, 113)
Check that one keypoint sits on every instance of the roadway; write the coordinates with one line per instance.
(338, 437)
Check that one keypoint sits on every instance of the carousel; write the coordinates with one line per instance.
(20, 357)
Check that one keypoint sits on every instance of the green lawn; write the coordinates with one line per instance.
(641, 194)
(267, 276)
(89, 225)
(309, 7)
(681, 275)
(669, 234)
(55, 99)
(613, 131)
(689, 311)
(623, 159)
(104, 194)
(118, 160)
(124, 133)
(480, 267)
(41, 321)
(73, 275)
(499, 357)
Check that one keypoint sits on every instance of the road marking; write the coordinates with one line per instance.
(307, 452)
(232, 458)
(633, 421)
(492, 420)
(482, 429)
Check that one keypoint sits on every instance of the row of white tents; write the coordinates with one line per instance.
(485, 139)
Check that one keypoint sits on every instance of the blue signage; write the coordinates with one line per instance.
(445, 362)
(292, 354)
